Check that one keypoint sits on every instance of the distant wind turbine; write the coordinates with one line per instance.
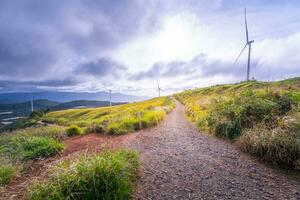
(248, 43)
(158, 89)
(110, 91)
(31, 104)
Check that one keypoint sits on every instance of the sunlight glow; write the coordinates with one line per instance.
(175, 39)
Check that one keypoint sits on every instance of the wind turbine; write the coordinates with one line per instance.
(110, 90)
(248, 43)
(158, 89)
(31, 103)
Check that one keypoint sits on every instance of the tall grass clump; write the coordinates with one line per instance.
(110, 175)
(7, 172)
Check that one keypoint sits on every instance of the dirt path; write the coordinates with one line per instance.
(180, 163)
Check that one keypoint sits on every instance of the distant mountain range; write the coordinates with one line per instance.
(7, 98)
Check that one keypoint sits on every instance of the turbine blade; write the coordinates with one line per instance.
(247, 36)
(240, 53)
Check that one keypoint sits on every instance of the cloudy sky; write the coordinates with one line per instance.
(86, 45)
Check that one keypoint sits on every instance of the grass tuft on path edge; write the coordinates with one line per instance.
(109, 175)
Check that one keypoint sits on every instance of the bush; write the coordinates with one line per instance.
(110, 175)
(25, 147)
(6, 173)
(73, 130)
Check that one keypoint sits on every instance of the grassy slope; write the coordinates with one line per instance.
(261, 117)
(116, 120)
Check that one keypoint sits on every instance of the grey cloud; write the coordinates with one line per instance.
(101, 67)
(36, 85)
(200, 65)
(38, 36)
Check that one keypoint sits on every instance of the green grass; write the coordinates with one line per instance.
(73, 130)
(21, 146)
(116, 120)
(32, 143)
(110, 175)
(253, 115)
(7, 172)
(54, 132)
(29, 148)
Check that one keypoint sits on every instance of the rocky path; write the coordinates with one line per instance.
(181, 163)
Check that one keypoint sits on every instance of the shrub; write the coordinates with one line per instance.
(110, 175)
(6, 173)
(73, 130)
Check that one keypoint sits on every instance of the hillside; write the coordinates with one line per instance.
(115, 120)
(262, 118)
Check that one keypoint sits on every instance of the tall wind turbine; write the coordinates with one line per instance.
(248, 43)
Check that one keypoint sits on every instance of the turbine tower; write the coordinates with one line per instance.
(31, 104)
(109, 90)
(158, 89)
(248, 43)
